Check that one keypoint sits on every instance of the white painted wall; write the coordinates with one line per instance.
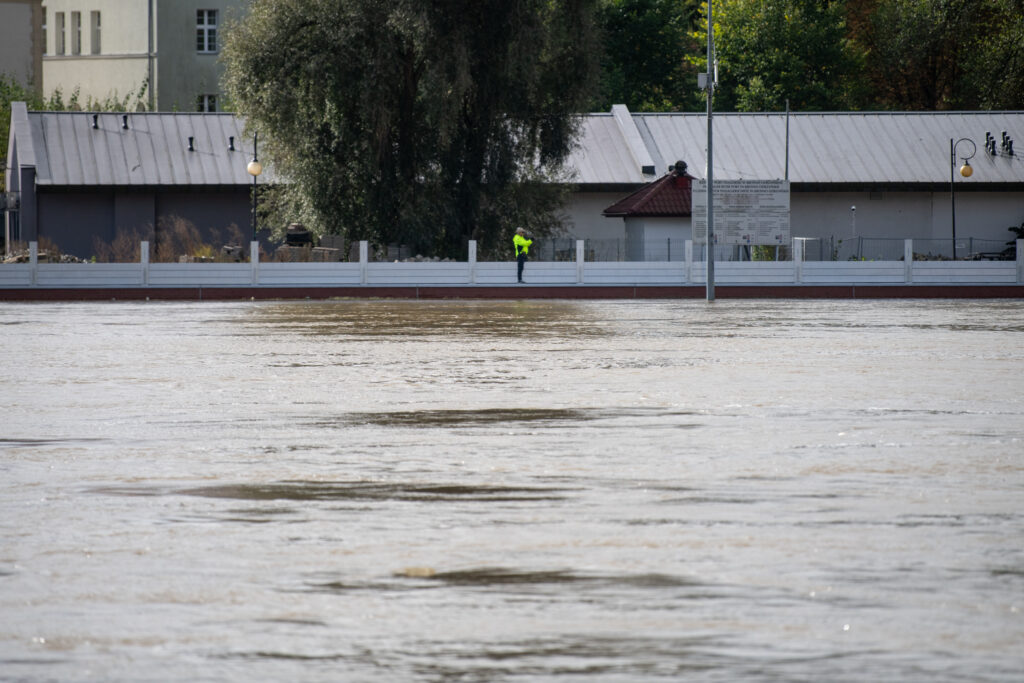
(584, 216)
(907, 215)
(656, 239)
(904, 215)
(180, 72)
(122, 64)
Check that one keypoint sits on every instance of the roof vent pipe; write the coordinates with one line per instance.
(124, 121)
(95, 121)
(231, 143)
(191, 145)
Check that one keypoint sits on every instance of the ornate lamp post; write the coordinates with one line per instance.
(965, 171)
(254, 168)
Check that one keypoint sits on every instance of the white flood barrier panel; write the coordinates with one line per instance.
(334, 274)
(472, 272)
(965, 272)
(635, 273)
(15, 275)
(754, 273)
(200, 275)
(413, 274)
(98, 275)
(852, 272)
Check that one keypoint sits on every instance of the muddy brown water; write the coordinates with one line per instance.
(512, 491)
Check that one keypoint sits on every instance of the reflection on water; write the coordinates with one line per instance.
(361, 318)
(489, 491)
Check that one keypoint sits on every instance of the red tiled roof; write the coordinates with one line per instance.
(667, 196)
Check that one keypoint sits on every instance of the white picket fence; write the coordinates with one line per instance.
(473, 273)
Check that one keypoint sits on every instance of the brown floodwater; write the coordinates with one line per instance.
(512, 491)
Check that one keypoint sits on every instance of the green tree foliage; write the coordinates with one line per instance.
(643, 62)
(773, 50)
(818, 54)
(426, 122)
(945, 54)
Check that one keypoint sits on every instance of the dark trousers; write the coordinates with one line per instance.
(521, 259)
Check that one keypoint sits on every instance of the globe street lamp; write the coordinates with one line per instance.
(254, 168)
(966, 171)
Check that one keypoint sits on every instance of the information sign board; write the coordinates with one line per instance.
(746, 211)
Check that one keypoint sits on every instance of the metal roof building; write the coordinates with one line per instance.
(852, 174)
(836, 148)
(81, 175)
(139, 149)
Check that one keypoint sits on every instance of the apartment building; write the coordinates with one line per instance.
(166, 49)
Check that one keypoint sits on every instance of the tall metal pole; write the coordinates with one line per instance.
(711, 164)
(966, 171)
(254, 168)
(952, 195)
(787, 138)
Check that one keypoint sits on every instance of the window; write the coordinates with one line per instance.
(58, 38)
(206, 30)
(45, 49)
(206, 103)
(94, 41)
(76, 33)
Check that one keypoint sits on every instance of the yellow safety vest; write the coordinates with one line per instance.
(521, 244)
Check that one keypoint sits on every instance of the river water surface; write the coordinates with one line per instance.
(506, 491)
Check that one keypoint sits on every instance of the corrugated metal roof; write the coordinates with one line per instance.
(604, 157)
(153, 150)
(828, 148)
(837, 147)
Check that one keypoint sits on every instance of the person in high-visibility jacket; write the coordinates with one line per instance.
(522, 246)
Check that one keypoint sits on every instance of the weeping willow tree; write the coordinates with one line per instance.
(425, 122)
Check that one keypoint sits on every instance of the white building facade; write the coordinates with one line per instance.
(160, 54)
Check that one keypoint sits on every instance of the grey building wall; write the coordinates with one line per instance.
(183, 73)
(21, 41)
(72, 219)
(75, 219)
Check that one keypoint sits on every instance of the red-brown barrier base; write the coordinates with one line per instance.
(521, 292)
